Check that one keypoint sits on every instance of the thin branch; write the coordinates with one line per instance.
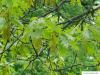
(29, 64)
(19, 39)
(3, 50)
(36, 56)
(33, 46)
(11, 44)
(76, 18)
(56, 8)
(70, 67)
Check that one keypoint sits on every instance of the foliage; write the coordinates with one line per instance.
(48, 37)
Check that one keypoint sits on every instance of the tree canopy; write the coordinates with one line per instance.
(49, 37)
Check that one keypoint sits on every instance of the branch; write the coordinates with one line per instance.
(6, 49)
(76, 18)
(33, 46)
(19, 38)
(54, 9)
(36, 56)
(70, 67)
(3, 50)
